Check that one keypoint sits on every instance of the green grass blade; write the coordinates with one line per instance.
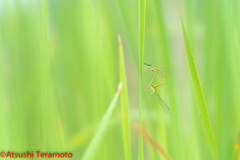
(44, 71)
(2, 145)
(202, 107)
(124, 104)
(141, 21)
(101, 128)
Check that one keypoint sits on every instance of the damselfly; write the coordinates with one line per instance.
(152, 88)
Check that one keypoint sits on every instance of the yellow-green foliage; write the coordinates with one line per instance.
(60, 66)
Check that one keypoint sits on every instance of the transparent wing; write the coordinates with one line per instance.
(166, 71)
(162, 103)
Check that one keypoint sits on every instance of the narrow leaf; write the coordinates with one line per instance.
(1, 99)
(101, 128)
(141, 23)
(124, 104)
(202, 107)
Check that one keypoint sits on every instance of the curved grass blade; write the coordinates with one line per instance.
(162, 103)
(141, 25)
(149, 139)
(202, 107)
(124, 104)
(101, 128)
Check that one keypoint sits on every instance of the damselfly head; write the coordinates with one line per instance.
(146, 66)
(149, 65)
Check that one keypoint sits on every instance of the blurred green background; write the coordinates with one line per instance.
(60, 71)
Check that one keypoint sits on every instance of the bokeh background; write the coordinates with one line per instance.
(60, 71)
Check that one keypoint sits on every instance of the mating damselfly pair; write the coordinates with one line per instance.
(152, 88)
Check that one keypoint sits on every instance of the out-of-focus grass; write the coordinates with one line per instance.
(44, 71)
(2, 145)
(199, 96)
(154, 144)
(141, 25)
(124, 104)
(80, 49)
(236, 148)
(91, 149)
